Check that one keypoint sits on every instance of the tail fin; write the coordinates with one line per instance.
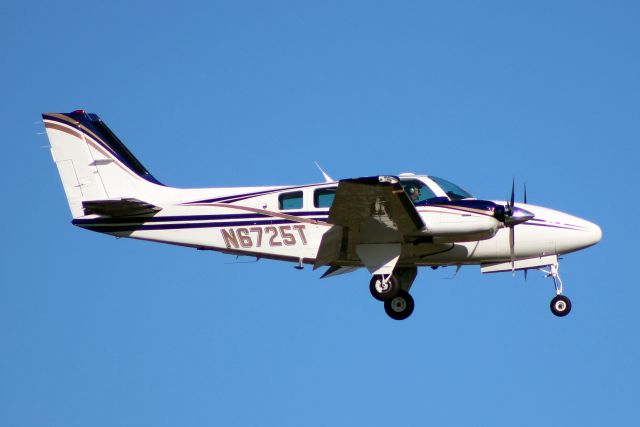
(93, 163)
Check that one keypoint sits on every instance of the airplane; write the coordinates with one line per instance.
(389, 224)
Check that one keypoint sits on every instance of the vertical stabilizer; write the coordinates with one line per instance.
(93, 163)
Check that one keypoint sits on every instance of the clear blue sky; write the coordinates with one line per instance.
(96, 331)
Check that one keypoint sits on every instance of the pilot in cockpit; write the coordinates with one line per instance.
(414, 192)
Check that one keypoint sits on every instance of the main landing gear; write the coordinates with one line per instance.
(560, 304)
(393, 290)
(400, 306)
(384, 287)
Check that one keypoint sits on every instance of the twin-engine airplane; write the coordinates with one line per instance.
(389, 224)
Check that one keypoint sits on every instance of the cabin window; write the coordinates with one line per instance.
(290, 200)
(323, 197)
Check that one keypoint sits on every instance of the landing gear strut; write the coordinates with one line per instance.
(560, 304)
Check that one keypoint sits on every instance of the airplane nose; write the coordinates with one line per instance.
(584, 234)
(560, 232)
(594, 233)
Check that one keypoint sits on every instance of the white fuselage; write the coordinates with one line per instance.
(249, 221)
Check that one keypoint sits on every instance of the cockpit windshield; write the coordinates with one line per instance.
(417, 190)
(453, 191)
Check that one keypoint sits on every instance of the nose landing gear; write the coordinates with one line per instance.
(560, 304)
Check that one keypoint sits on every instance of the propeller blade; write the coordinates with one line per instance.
(513, 194)
(525, 193)
(525, 274)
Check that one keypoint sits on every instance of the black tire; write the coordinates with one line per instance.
(560, 305)
(399, 307)
(393, 287)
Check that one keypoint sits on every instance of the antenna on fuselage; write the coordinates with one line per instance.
(327, 178)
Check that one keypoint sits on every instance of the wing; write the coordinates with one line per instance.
(381, 197)
(371, 219)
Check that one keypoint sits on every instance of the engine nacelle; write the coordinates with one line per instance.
(460, 227)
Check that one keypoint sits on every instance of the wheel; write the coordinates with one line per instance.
(560, 305)
(399, 307)
(383, 291)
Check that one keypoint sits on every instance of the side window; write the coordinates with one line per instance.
(290, 200)
(323, 197)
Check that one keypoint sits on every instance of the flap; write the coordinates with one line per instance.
(379, 258)
(332, 247)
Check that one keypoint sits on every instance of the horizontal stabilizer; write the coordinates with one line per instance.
(118, 207)
(521, 264)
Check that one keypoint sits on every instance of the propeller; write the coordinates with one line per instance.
(512, 233)
(510, 216)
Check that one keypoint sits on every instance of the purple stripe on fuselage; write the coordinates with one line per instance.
(229, 199)
(128, 220)
(237, 197)
(137, 227)
(555, 226)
